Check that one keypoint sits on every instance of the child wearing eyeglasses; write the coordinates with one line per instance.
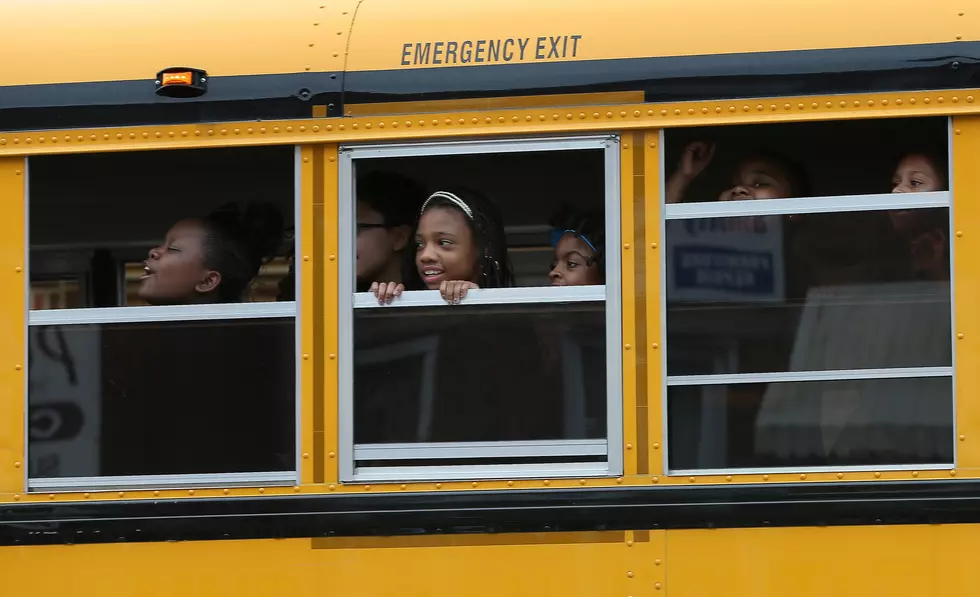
(386, 208)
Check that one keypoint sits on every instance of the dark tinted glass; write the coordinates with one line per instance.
(821, 423)
(808, 292)
(162, 398)
(475, 373)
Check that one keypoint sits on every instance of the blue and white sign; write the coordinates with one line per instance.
(725, 259)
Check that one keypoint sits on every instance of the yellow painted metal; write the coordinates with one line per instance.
(496, 122)
(13, 310)
(568, 564)
(652, 247)
(495, 103)
(966, 280)
(641, 289)
(220, 36)
(294, 36)
(623, 29)
(328, 223)
(898, 561)
(627, 251)
(329, 487)
(305, 262)
(314, 282)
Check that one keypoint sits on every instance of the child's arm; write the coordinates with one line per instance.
(695, 159)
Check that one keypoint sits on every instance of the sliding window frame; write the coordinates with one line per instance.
(807, 205)
(154, 314)
(612, 466)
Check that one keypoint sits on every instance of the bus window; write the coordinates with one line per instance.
(814, 331)
(159, 354)
(519, 377)
(815, 160)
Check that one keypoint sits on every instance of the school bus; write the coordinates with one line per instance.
(766, 397)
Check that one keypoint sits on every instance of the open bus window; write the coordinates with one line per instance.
(813, 332)
(520, 378)
(805, 160)
(153, 385)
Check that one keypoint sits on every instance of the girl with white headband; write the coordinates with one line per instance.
(460, 245)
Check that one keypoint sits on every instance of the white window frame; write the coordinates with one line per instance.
(806, 205)
(472, 452)
(143, 314)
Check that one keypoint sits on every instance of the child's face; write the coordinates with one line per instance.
(445, 247)
(377, 245)
(174, 271)
(916, 174)
(758, 179)
(574, 263)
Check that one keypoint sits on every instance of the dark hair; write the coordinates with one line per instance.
(239, 241)
(590, 224)
(795, 173)
(488, 231)
(397, 198)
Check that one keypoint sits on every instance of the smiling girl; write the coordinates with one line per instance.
(459, 246)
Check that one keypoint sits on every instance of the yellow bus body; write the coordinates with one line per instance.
(55, 47)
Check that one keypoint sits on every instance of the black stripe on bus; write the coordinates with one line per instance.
(266, 97)
(516, 511)
(683, 78)
(131, 103)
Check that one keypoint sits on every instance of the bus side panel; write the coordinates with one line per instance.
(566, 564)
(848, 561)
(13, 192)
(855, 561)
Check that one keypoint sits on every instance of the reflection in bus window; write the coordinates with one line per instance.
(56, 294)
(763, 289)
(811, 333)
(813, 423)
(805, 293)
(162, 398)
(425, 375)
